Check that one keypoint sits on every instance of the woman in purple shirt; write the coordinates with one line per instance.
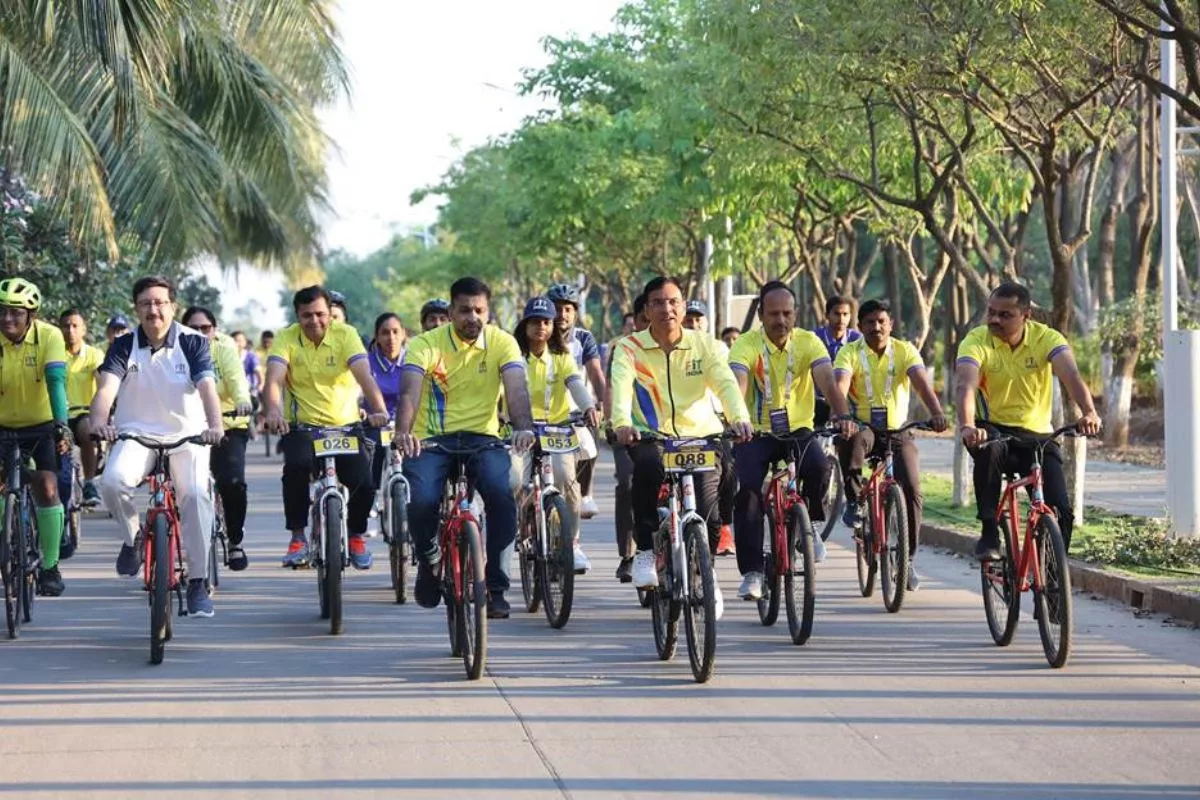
(386, 354)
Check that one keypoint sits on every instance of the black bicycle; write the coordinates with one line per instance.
(20, 557)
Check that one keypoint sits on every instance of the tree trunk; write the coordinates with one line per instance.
(891, 272)
(1122, 166)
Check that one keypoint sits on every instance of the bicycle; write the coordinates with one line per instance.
(1038, 564)
(791, 535)
(545, 554)
(394, 518)
(685, 576)
(883, 530)
(330, 538)
(835, 494)
(158, 543)
(464, 587)
(20, 557)
(218, 550)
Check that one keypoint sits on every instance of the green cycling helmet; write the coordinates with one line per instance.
(20, 293)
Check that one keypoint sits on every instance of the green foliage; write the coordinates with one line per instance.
(1138, 542)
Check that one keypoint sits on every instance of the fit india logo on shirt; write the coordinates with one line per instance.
(482, 367)
(1030, 362)
(31, 361)
(694, 367)
(330, 361)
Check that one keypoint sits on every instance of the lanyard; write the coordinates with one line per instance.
(787, 378)
(868, 377)
(549, 390)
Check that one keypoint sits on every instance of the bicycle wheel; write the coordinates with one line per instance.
(1001, 594)
(799, 582)
(12, 563)
(316, 558)
(895, 556)
(160, 587)
(664, 615)
(834, 500)
(267, 442)
(472, 603)
(214, 562)
(527, 556)
(74, 526)
(556, 569)
(864, 557)
(334, 520)
(768, 604)
(1053, 600)
(699, 608)
(33, 555)
(399, 548)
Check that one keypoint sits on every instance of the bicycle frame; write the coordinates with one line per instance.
(457, 502)
(162, 503)
(393, 476)
(781, 497)
(680, 496)
(326, 485)
(1028, 568)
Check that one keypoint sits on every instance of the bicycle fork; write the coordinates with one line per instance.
(683, 513)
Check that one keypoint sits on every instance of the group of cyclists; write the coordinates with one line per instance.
(464, 381)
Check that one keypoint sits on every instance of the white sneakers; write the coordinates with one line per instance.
(718, 598)
(587, 507)
(582, 562)
(818, 548)
(752, 586)
(645, 573)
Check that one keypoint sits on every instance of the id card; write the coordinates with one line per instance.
(780, 426)
(879, 418)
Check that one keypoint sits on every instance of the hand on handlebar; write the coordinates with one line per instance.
(106, 433)
(274, 422)
(972, 436)
(522, 441)
(849, 426)
(243, 409)
(742, 431)
(627, 435)
(408, 443)
(213, 436)
(592, 418)
(938, 423)
(378, 419)
(1089, 424)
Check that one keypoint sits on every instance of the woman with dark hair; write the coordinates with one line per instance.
(386, 355)
(552, 373)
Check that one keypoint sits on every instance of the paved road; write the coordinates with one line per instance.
(261, 702)
(1124, 488)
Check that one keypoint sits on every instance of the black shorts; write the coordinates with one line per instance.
(39, 446)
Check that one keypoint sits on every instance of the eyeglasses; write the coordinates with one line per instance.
(146, 305)
(11, 311)
(205, 328)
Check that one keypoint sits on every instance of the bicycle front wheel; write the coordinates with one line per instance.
(1052, 601)
(1001, 590)
(699, 607)
(834, 499)
(334, 522)
(768, 604)
(895, 555)
(527, 559)
(472, 602)
(160, 587)
(800, 581)
(399, 548)
(664, 611)
(214, 560)
(556, 567)
(12, 566)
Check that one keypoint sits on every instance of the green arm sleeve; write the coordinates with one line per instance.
(56, 386)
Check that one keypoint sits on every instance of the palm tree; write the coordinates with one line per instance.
(188, 123)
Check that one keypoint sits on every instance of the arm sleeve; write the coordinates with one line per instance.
(116, 360)
(351, 344)
(510, 354)
(199, 356)
(844, 362)
(724, 385)
(590, 349)
(972, 350)
(1055, 343)
(909, 358)
(742, 356)
(622, 386)
(418, 357)
(56, 387)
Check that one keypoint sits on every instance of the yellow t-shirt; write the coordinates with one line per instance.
(652, 391)
(321, 390)
(903, 358)
(554, 407)
(232, 386)
(81, 378)
(24, 400)
(1016, 385)
(462, 380)
(804, 350)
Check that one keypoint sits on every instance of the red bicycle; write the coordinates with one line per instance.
(158, 543)
(1038, 563)
(882, 534)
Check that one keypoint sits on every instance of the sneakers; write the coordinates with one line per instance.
(988, 546)
(587, 507)
(199, 604)
(718, 598)
(725, 545)
(497, 606)
(360, 556)
(297, 554)
(645, 571)
(50, 582)
(127, 562)
(752, 586)
(237, 558)
(428, 589)
(625, 570)
(91, 495)
(914, 580)
(66, 544)
(818, 548)
(582, 562)
(850, 515)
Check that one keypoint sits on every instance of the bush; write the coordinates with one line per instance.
(1139, 542)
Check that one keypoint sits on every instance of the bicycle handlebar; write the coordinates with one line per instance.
(1066, 431)
(156, 445)
(452, 451)
(921, 425)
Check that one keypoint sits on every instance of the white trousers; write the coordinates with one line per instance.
(128, 465)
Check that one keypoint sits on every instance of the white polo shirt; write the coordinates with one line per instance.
(158, 397)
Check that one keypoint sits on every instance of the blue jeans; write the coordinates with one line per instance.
(488, 471)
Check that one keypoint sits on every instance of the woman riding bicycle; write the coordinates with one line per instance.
(551, 371)
(386, 356)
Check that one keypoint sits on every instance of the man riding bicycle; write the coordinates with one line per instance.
(835, 334)
(661, 380)
(777, 367)
(622, 464)
(323, 365)
(162, 374)
(33, 400)
(876, 373)
(449, 393)
(1006, 369)
(83, 360)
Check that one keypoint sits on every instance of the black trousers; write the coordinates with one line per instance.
(228, 464)
(623, 492)
(648, 476)
(299, 466)
(996, 460)
(853, 454)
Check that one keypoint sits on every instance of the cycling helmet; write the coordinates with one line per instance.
(437, 306)
(20, 293)
(337, 298)
(564, 293)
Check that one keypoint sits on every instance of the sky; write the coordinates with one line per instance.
(429, 82)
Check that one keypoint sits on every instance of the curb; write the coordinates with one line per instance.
(1132, 592)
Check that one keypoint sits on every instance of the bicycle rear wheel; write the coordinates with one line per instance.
(472, 602)
(895, 556)
(12, 566)
(800, 581)
(1001, 592)
(664, 611)
(834, 500)
(160, 587)
(214, 560)
(1053, 600)
(32, 563)
(768, 604)
(556, 567)
(333, 566)
(699, 607)
(527, 556)
(74, 526)
(399, 548)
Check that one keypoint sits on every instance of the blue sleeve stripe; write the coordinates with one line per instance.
(1054, 353)
(822, 360)
(512, 365)
(967, 360)
(277, 360)
(355, 358)
(742, 368)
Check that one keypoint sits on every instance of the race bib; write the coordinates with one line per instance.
(689, 455)
(334, 443)
(386, 435)
(556, 439)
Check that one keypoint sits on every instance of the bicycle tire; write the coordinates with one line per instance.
(32, 561)
(701, 602)
(800, 595)
(768, 604)
(214, 566)
(74, 526)
(834, 500)
(160, 587)
(450, 600)
(664, 611)
(11, 567)
(472, 602)
(399, 548)
(527, 556)
(864, 557)
(316, 558)
(1001, 594)
(556, 567)
(266, 441)
(1053, 600)
(894, 565)
(334, 566)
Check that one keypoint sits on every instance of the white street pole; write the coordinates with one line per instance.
(1169, 171)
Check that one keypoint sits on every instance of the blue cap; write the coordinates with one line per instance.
(118, 321)
(539, 308)
(697, 307)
